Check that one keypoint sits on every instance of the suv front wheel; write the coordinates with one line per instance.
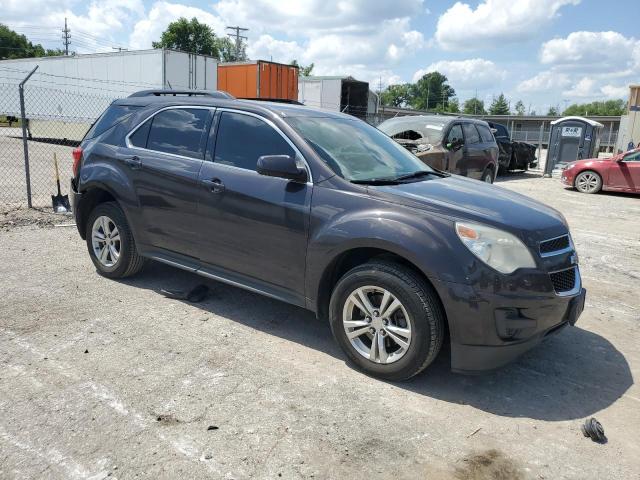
(387, 319)
(110, 242)
(487, 175)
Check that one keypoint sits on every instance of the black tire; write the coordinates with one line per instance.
(588, 182)
(129, 262)
(487, 175)
(421, 303)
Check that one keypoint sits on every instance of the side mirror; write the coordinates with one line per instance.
(282, 166)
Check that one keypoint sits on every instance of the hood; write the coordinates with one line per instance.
(587, 162)
(472, 200)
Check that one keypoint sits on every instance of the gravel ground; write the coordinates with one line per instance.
(102, 378)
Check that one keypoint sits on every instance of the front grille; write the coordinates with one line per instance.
(564, 281)
(554, 244)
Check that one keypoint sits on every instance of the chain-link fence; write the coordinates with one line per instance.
(55, 122)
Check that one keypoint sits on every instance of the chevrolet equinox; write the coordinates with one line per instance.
(323, 211)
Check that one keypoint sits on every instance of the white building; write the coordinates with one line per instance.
(70, 92)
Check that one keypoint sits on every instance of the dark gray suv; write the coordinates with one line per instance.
(323, 211)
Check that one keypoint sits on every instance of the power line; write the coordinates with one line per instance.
(66, 37)
(238, 38)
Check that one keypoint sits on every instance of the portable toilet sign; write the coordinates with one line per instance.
(571, 139)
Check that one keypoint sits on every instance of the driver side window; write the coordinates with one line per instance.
(455, 135)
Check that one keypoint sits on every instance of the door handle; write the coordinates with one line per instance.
(215, 185)
(133, 162)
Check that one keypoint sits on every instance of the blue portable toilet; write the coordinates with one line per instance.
(571, 139)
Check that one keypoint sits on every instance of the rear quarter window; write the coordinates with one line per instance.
(485, 134)
(112, 115)
(471, 135)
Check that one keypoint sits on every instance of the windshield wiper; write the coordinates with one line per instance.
(376, 181)
(420, 173)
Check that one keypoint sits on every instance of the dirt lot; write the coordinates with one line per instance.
(101, 378)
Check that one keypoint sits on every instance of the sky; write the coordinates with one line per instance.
(543, 52)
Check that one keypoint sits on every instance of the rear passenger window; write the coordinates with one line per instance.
(139, 137)
(485, 134)
(242, 139)
(180, 131)
(470, 134)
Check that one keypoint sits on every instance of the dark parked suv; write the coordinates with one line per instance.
(323, 211)
(463, 146)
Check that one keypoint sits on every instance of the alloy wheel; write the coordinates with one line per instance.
(587, 182)
(377, 324)
(105, 240)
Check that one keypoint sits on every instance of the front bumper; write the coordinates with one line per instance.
(489, 330)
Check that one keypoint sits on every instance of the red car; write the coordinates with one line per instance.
(618, 174)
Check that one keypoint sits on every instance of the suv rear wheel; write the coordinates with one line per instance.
(387, 319)
(110, 242)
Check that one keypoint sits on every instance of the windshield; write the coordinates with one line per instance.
(355, 150)
(417, 129)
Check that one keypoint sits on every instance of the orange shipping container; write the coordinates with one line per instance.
(259, 79)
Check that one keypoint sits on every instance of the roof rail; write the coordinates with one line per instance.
(188, 93)
(276, 100)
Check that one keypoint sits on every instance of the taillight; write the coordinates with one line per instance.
(77, 159)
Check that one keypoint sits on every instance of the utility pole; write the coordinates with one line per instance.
(238, 38)
(428, 92)
(475, 104)
(66, 37)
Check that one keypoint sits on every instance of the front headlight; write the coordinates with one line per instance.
(498, 249)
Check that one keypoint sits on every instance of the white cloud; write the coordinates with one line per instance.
(615, 91)
(544, 82)
(265, 47)
(466, 74)
(593, 51)
(584, 88)
(150, 28)
(494, 22)
(92, 25)
(290, 16)
(590, 88)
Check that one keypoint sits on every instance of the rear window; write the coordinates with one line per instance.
(501, 131)
(112, 115)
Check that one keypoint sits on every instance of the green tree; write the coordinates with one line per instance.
(520, 108)
(227, 50)
(499, 106)
(453, 106)
(474, 106)
(303, 71)
(431, 92)
(13, 45)
(396, 95)
(552, 112)
(609, 107)
(194, 37)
